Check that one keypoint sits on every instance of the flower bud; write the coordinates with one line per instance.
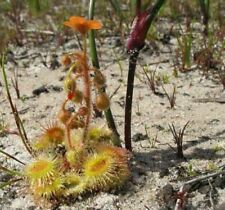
(102, 102)
(73, 123)
(139, 31)
(81, 124)
(75, 68)
(99, 79)
(79, 68)
(64, 116)
(71, 156)
(82, 111)
(77, 96)
(70, 84)
(66, 61)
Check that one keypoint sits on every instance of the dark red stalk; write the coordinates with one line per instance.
(138, 7)
(136, 41)
(129, 96)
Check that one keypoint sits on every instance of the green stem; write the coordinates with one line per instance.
(87, 90)
(95, 63)
(92, 44)
(133, 6)
(153, 11)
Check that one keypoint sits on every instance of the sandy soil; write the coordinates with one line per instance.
(156, 171)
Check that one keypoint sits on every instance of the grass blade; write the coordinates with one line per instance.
(18, 121)
(5, 184)
(10, 156)
(12, 172)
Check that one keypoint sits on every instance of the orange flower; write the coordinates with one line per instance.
(82, 25)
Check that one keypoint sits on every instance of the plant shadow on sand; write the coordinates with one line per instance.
(144, 165)
(159, 159)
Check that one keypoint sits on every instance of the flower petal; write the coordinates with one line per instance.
(82, 25)
(68, 23)
(77, 20)
(94, 24)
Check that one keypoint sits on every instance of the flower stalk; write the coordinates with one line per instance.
(87, 90)
(135, 43)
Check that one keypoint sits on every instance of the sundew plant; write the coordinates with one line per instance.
(72, 155)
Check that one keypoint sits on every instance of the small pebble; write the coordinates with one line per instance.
(164, 172)
(204, 189)
(40, 90)
(139, 137)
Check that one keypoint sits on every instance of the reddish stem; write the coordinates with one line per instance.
(69, 137)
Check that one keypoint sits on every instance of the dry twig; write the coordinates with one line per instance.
(180, 204)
